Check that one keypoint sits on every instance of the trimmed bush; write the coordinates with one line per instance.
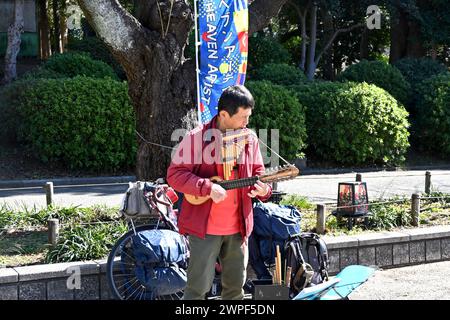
(11, 96)
(42, 73)
(354, 123)
(84, 123)
(381, 74)
(277, 108)
(97, 50)
(417, 70)
(264, 50)
(433, 114)
(280, 73)
(79, 64)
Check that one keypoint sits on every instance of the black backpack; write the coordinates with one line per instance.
(307, 256)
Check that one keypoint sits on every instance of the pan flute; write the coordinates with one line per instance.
(233, 143)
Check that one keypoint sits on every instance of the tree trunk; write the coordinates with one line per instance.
(399, 35)
(415, 48)
(56, 27)
(161, 82)
(63, 30)
(328, 69)
(364, 44)
(44, 31)
(304, 40)
(311, 66)
(14, 39)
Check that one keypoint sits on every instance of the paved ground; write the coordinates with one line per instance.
(318, 188)
(429, 281)
(380, 185)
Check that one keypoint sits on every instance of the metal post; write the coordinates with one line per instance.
(197, 69)
(427, 182)
(53, 231)
(415, 209)
(49, 193)
(275, 186)
(358, 177)
(320, 224)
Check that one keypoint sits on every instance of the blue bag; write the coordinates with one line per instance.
(273, 225)
(161, 260)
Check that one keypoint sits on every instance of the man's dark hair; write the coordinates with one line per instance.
(234, 97)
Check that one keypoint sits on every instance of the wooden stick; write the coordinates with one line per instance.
(287, 279)
(279, 264)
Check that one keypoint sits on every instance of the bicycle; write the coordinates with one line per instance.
(128, 277)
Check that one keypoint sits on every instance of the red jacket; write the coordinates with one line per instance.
(191, 178)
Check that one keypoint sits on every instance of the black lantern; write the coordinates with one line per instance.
(353, 202)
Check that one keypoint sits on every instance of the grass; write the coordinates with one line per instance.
(23, 247)
(86, 233)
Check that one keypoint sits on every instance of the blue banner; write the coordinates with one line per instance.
(223, 31)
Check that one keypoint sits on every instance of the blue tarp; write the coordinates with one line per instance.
(340, 286)
(161, 259)
(273, 225)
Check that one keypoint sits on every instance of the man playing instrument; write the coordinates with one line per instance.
(219, 227)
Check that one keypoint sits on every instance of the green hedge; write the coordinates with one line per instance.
(42, 73)
(72, 64)
(354, 123)
(417, 70)
(381, 74)
(264, 50)
(277, 108)
(11, 97)
(279, 73)
(84, 123)
(98, 51)
(433, 114)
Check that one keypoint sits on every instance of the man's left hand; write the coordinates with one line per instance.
(261, 189)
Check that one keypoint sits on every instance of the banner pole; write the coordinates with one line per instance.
(197, 70)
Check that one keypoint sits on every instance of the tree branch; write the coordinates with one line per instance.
(261, 11)
(331, 40)
(113, 24)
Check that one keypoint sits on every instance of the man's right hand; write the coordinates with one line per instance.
(218, 193)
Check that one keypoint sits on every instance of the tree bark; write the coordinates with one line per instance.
(399, 35)
(329, 30)
(56, 27)
(414, 47)
(44, 30)
(14, 39)
(311, 66)
(261, 11)
(364, 45)
(63, 30)
(302, 16)
(161, 81)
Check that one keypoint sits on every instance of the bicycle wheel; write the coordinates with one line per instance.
(120, 271)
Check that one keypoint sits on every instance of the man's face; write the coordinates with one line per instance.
(238, 121)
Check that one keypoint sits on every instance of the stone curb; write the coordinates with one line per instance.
(64, 181)
(382, 238)
(56, 270)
